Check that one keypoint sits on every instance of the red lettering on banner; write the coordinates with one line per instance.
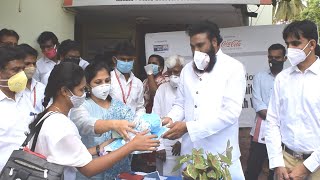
(231, 43)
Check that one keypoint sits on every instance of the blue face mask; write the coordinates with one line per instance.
(155, 69)
(124, 67)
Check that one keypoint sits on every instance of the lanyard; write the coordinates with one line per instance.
(123, 95)
(34, 97)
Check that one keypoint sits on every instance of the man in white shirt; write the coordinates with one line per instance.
(49, 43)
(209, 98)
(125, 86)
(293, 128)
(69, 51)
(35, 89)
(262, 89)
(163, 101)
(15, 108)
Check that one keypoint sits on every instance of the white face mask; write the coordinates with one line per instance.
(201, 59)
(174, 81)
(77, 101)
(102, 91)
(296, 56)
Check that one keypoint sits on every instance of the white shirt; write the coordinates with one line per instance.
(36, 95)
(44, 67)
(211, 105)
(294, 116)
(59, 141)
(262, 88)
(162, 104)
(14, 121)
(135, 99)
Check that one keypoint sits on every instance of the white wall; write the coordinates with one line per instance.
(35, 17)
(264, 15)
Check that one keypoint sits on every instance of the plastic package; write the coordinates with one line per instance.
(149, 122)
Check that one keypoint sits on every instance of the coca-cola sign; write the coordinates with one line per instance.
(231, 44)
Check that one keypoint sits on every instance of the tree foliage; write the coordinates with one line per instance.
(286, 10)
(311, 12)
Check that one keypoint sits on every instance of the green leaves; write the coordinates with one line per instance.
(206, 166)
(192, 172)
(200, 162)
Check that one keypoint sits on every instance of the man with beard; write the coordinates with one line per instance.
(209, 98)
(262, 89)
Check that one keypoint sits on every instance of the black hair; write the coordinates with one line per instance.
(210, 28)
(304, 28)
(93, 68)
(8, 53)
(47, 36)
(278, 47)
(124, 48)
(160, 59)
(28, 50)
(8, 32)
(68, 45)
(67, 75)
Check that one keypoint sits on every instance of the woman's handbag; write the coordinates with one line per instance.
(24, 164)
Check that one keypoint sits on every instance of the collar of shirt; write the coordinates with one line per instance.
(33, 84)
(17, 96)
(315, 68)
(47, 60)
(219, 53)
(121, 76)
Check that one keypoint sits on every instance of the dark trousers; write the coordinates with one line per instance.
(257, 155)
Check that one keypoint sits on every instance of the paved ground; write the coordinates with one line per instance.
(244, 142)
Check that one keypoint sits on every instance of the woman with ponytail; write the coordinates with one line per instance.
(59, 140)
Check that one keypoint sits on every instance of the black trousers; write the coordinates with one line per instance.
(257, 155)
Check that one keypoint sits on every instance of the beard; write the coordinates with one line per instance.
(211, 53)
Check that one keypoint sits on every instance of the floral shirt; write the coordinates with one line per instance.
(117, 110)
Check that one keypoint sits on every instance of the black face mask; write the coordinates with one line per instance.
(275, 65)
(74, 60)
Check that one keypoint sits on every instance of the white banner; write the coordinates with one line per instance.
(248, 44)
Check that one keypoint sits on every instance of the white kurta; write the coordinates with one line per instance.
(211, 105)
(162, 104)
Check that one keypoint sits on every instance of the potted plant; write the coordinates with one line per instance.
(202, 165)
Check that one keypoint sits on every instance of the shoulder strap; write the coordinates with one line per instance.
(35, 132)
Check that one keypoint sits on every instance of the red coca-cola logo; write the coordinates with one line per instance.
(231, 43)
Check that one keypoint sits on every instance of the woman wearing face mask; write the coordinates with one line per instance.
(59, 140)
(155, 79)
(163, 101)
(100, 106)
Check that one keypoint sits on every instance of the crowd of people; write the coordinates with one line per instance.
(83, 104)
